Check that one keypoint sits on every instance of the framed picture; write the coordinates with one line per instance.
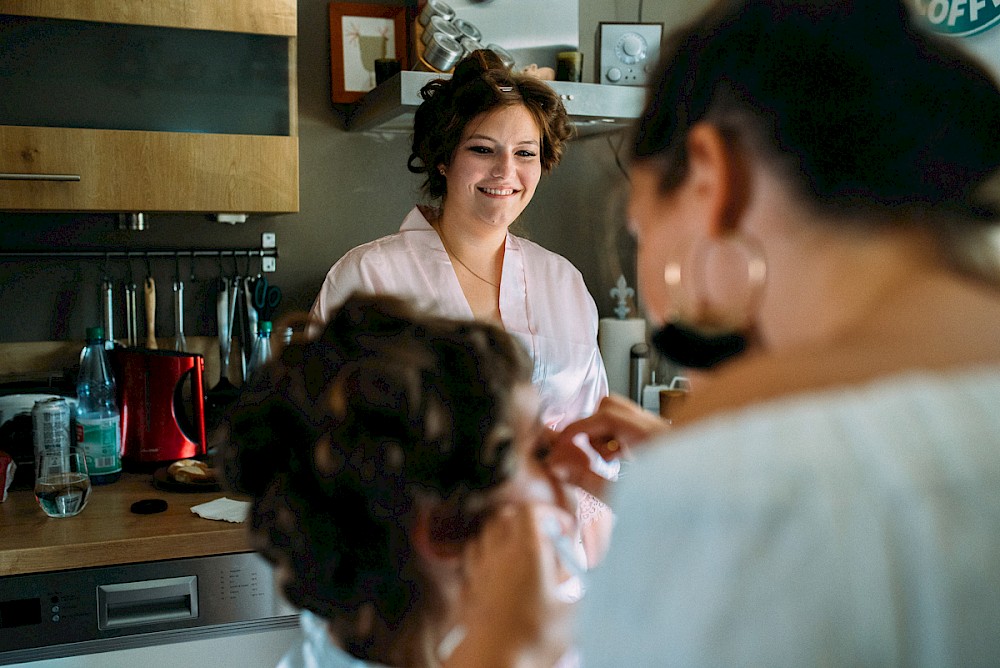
(360, 34)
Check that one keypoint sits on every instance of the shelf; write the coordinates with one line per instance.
(593, 108)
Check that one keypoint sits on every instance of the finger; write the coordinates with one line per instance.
(611, 449)
(625, 422)
(590, 431)
(599, 434)
(571, 455)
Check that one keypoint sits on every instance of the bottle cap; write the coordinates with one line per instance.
(95, 333)
(265, 326)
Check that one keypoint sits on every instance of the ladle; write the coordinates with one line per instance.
(224, 393)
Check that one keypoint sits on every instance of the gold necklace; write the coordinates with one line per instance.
(467, 268)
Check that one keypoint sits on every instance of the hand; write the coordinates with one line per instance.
(617, 425)
(511, 607)
(612, 431)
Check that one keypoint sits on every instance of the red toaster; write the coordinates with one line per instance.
(162, 401)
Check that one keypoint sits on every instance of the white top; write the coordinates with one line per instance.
(544, 303)
(317, 650)
(850, 527)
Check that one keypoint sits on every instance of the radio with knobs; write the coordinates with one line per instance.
(627, 52)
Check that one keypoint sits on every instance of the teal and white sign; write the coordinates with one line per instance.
(958, 18)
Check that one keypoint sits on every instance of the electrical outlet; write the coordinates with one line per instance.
(268, 240)
(627, 52)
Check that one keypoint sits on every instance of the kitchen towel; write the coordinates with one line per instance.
(223, 509)
(615, 338)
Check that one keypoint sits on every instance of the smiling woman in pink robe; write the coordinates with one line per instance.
(544, 303)
(483, 139)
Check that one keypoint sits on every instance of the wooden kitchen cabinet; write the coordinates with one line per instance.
(268, 17)
(139, 106)
(122, 170)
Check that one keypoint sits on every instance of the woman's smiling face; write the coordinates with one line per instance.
(496, 167)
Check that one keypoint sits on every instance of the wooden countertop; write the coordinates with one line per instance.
(108, 533)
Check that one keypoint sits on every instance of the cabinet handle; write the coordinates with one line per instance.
(38, 177)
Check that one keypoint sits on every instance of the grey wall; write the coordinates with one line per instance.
(353, 188)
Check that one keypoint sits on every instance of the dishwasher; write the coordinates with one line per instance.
(112, 610)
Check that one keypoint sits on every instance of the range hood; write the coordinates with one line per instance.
(593, 108)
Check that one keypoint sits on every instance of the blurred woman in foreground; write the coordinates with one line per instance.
(814, 189)
(373, 454)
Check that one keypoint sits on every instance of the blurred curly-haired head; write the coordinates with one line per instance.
(480, 84)
(342, 437)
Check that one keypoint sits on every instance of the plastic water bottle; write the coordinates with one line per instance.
(261, 353)
(98, 421)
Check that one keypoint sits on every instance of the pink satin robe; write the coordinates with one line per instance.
(544, 303)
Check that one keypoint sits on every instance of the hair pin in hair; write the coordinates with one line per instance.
(506, 89)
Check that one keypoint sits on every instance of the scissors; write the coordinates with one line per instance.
(265, 298)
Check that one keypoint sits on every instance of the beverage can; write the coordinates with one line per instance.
(50, 425)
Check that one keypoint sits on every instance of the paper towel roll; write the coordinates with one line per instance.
(615, 338)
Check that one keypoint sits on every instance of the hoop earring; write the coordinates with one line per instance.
(705, 337)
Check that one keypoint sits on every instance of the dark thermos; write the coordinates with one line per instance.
(638, 371)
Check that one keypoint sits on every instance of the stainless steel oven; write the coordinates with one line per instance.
(68, 613)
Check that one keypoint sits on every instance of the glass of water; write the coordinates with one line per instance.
(62, 485)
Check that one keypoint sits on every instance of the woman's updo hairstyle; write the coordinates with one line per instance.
(480, 83)
(864, 112)
(339, 439)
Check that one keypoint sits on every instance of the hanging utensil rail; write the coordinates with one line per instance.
(248, 253)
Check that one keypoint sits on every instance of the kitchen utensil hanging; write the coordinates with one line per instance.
(266, 298)
(223, 393)
(223, 323)
(237, 320)
(131, 327)
(180, 342)
(149, 294)
(108, 305)
(225, 338)
(250, 310)
(246, 316)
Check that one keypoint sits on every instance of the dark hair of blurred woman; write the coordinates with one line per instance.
(343, 439)
(893, 125)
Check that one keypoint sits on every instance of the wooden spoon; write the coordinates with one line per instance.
(150, 290)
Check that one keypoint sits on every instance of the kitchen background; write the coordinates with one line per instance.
(354, 187)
